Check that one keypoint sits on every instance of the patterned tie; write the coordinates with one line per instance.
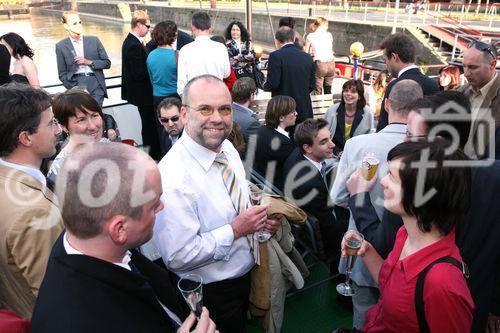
(234, 191)
(231, 183)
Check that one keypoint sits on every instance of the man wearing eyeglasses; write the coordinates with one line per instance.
(204, 227)
(31, 221)
(483, 90)
(169, 117)
(81, 59)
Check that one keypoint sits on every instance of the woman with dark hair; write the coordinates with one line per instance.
(431, 204)
(162, 62)
(350, 117)
(22, 69)
(449, 77)
(240, 49)
(273, 141)
(81, 119)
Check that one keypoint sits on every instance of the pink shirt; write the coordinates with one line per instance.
(448, 303)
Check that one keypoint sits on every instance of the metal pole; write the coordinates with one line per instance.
(329, 9)
(249, 16)
(346, 6)
(366, 10)
(424, 14)
(386, 12)
(395, 22)
(462, 14)
(270, 21)
(454, 48)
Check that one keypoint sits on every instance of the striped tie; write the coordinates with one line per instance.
(231, 183)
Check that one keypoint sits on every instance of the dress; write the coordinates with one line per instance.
(448, 303)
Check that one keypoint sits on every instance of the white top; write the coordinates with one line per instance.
(203, 56)
(78, 46)
(322, 42)
(193, 232)
(35, 173)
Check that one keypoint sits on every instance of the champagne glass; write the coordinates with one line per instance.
(353, 240)
(191, 288)
(256, 194)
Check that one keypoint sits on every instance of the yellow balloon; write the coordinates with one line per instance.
(357, 49)
(258, 51)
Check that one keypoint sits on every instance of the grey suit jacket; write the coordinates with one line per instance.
(355, 149)
(249, 125)
(365, 126)
(92, 50)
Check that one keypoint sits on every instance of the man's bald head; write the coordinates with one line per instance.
(101, 180)
(402, 93)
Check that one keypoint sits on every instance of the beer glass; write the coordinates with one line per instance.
(353, 240)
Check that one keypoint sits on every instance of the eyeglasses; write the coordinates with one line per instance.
(208, 110)
(483, 47)
(147, 25)
(166, 120)
(53, 123)
(75, 23)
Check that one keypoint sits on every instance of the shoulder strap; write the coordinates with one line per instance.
(419, 288)
(176, 56)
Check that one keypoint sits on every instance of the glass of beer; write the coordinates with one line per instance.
(256, 195)
(191, 288)
(353, 240)
(369, 166)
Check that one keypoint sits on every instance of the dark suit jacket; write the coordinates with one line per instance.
(267, 139)
(298, 167)
(183, 38)
(165, 142)
(4, 65)
(85, 294)
(291, 73)
(477, 238)
(136, 85)
(92, 49)
(429, 86)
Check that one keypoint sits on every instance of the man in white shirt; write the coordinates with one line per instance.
(95, 276)
(31, 221)
(379, 144)
(483, 91)
(81, 59)
(203, 56)
(204, 227)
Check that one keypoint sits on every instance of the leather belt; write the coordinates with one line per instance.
(84, 74)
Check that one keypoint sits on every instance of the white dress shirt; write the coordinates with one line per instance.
(282, 131)
(35, 173)
(322, 42)
(203, 56)
(78, 46)
(193, 232)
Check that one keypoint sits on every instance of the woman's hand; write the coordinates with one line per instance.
(365, 247)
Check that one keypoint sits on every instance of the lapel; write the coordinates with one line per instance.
(358, 116)
(317, 177)
(85, 46)
(492, 93)
(341, 123)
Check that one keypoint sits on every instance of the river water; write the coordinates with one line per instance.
(42, 31)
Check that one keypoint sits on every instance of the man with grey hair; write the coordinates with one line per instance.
(483, 91)
(204, 227)
(203, 56)
(291, 73)
(356, 148)
(110, 194)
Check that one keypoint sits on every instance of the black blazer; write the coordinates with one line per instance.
(267, 139)
(291, 73)
(339, 136)
(83, 294)
(429, 86)
(165, 142)
(4, 65)
(477, 238)
(183, 38)
(136, 85)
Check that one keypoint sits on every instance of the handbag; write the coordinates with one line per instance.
(259, 77)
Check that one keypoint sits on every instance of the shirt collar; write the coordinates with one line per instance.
(76, 41)
(204, 156)
(282, 131)
(395, 128)
(418, 261)
(407, 69)
(71, 250)
(316, 164)
(203, 37)
(35, 173)
(139, 38)
(486, 88)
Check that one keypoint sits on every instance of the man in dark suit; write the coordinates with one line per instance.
(306, 183)
(183, 38)
(95, 275)
(136, 85)
(169, 117)
(81, 59)
(4, 65)
(243, 93)
(399, 56)
(291, 73)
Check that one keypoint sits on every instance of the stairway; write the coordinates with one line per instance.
(438, 47)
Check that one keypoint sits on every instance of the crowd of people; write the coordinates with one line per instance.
(96, 233)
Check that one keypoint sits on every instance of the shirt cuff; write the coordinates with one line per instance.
(224, 238)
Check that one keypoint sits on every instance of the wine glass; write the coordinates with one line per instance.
(353, 241)
(191, 288)
(256, 194)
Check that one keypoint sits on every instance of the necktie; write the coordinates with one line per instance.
(231, 183)
(234, 191)
(323, 169)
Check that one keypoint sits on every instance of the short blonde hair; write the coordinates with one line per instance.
(139, 16)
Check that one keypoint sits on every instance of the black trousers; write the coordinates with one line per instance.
(150, 130)
(227, 302)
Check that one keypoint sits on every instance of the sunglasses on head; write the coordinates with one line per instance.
(483, 47)
(166, 120)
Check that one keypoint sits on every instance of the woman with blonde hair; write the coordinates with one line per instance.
(319, 44)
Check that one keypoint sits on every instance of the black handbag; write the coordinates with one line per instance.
(259, 77)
